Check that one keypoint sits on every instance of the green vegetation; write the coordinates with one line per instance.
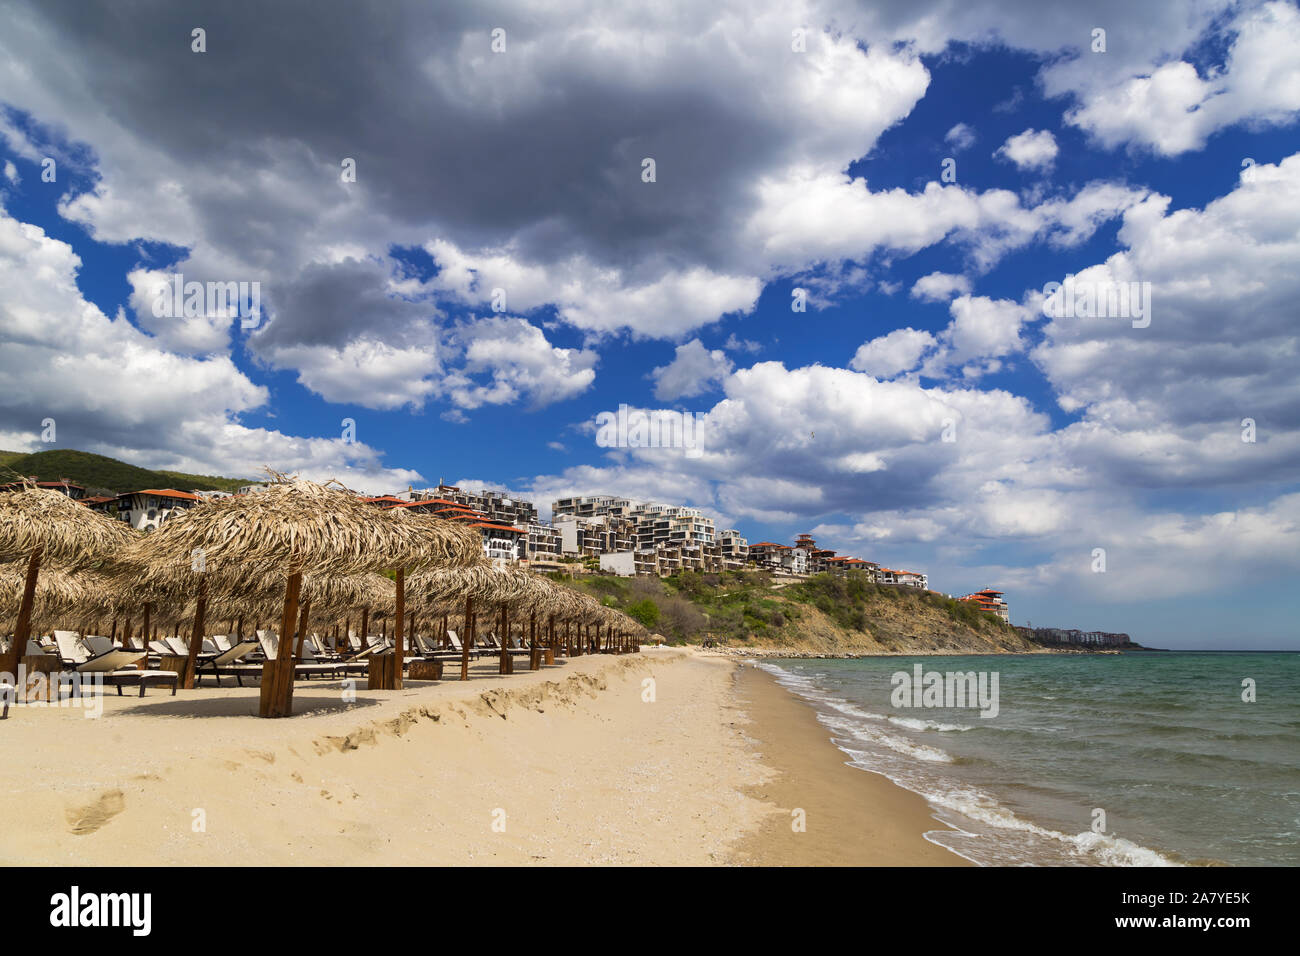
(845, 599)
(104, 474)
(734, 606)
(644, 612)
(743, 607)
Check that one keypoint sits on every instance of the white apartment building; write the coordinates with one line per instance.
(147, 510)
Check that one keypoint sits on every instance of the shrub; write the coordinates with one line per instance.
(645, 613)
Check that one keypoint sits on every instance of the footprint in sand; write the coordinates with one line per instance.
(92, 816)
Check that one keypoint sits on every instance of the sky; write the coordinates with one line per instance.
(827, 231)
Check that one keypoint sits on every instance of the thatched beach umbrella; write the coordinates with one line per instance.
(59, 595)
(480, 583)
(42, 526)
(293, 527)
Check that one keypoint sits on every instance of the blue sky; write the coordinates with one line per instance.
(776, 170)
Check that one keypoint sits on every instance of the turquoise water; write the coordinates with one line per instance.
(1184, 770)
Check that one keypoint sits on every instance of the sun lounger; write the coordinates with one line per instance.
(116, 667)
(459, 649)
(226, 664)
(340, 667)
(98, 645)
(302, 669)
(514, 649)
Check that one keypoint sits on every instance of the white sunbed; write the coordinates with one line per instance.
(116, 667)
(227, 664)
(459, 647)
(98, 645)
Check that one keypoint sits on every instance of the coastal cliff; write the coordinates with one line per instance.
(824, 615)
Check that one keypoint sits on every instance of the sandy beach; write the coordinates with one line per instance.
(660, 758)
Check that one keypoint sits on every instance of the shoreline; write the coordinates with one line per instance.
(788, 654)
(852, 817)
(570, 765)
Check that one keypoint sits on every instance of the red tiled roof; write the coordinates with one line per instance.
(497, 527)
(162, 493)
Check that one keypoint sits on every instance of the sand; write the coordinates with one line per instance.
(573, 764)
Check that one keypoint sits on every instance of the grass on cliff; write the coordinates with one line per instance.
(99, 473)
(752, 606)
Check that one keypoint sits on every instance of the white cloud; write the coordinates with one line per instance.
(891, 354)
(112, 390)
(985, 328)
(1031, 149)
(521, 363)
(940, 287)
(693, 371)
(1173, 108)
(11, 172)
(960, 137)
(1164, 404)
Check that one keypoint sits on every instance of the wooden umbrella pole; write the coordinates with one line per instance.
(365, 628)
(503, 659)
(144, 637)
(196, 635)
(465, 640)
(302, 628)
(277, 675)
(399, 619)
(23, 626)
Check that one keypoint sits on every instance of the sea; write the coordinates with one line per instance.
(1134, 759)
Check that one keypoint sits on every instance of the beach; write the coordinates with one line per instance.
(667, 757)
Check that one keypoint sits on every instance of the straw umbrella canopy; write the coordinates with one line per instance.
(480, 582)
(258, 597)
(43, 526)
(294, 527)
(58, 595)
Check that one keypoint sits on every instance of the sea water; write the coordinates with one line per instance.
(1142, 759)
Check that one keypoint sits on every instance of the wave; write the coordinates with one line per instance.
(916, 723)
(984, 831)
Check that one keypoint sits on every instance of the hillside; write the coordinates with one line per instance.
(825, 614)
(102, 474)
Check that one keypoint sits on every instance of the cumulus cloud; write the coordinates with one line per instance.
(960, 137)
(520, 363)
(1032, 149)
(693, 371)
(1164, 404)
(891, 354)
(111, 389)
(940, 287)
(1175, 107)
